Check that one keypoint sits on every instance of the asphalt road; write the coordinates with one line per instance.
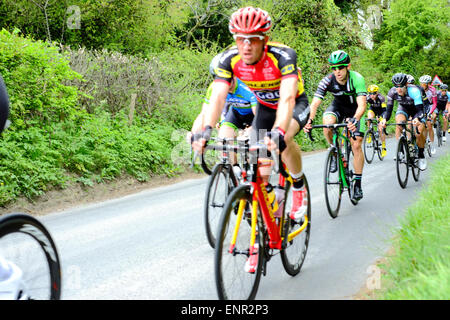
(152, 245)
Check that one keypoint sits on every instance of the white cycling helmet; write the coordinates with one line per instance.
(425, 79)
(410, 79)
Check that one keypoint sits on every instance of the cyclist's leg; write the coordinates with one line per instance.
(292, 157)
(400, 116)
(292, 154)
(330, 116)
(444, 117)
(262, 123)
(420, 137)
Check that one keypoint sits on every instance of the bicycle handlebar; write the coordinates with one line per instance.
(330, 126)
(258, 148)
(403, 124)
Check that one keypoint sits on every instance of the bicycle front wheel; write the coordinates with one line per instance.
(219, 186)
(333, 184)
(293, 255)
(402, 162)
(369, 146)
(438, 132)
(233, 282)
(26, 243)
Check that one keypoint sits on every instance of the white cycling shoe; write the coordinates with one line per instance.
(422, 164)
(11, 283)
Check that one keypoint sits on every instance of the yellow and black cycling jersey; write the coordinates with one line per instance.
(264, 77)
(377, 105)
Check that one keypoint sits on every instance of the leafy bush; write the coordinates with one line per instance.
(35, 74)
(111, 79)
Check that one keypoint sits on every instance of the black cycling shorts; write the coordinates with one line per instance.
(265, 117)
(236, 120)
(342, 113)
(410, 111)
(377, 111)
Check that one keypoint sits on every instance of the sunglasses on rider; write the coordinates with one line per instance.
(338, 67)
(249, 39)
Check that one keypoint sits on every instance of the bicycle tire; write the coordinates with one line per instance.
(350, 171)
(379, 149)
(332, 179)
(402, 161)
(241, 285)
(438, 131)
(16, 230)
(293, 256)
(220, 183)
(414, 159)
(369, 147)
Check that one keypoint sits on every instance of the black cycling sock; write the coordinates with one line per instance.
(421, 153)
(358, 178)
(298, 183)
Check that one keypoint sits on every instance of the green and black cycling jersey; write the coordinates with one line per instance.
(344, 95)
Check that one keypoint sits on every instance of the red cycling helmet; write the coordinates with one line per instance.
(250, 20)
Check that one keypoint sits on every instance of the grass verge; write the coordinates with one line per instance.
(420, 269)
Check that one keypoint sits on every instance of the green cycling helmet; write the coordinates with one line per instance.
(339, 58)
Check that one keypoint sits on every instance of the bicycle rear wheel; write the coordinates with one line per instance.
(402, 162)
(333, 184)
(233, 282)
(369, 145)
(220, 184)
(25, 242)
(414, 163)
(294, 254)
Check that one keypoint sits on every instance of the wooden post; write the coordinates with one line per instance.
(132, 106)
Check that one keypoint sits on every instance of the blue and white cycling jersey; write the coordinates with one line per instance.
(242, 99)
(412, 101)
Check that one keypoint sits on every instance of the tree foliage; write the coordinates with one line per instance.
(413, 38)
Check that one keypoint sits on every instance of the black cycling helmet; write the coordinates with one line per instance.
(339, 58)
(444, 86)
(399, 79)
(4, 105)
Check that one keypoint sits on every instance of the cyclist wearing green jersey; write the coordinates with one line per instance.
(349, 91)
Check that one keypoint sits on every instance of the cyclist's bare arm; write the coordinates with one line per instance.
(315, 103)
(216, 103)
(198, 122)
(212, 113)
(288, 91)
(361, 101)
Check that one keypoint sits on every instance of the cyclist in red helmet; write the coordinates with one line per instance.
(270, 71)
